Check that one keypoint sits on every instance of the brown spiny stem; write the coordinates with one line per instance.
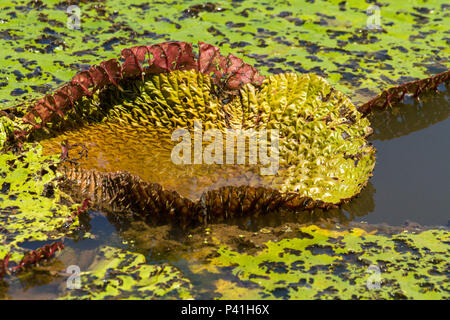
(30, 259)
(396, 94)
(4, 265)
(76, 214)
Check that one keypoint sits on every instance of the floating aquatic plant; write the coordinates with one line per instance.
(328, 38)
(327, 264)
(29, 259)
(120, 274)
(31, 205)
(324, 158)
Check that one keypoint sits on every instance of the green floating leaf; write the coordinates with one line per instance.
(30, 202)
(5, 130)
(119, 274)
(329, 38)
(345, 265)
(323, 154)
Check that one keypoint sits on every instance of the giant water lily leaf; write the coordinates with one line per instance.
(341, 264)
(323, 153)
(324, 158)
(120, 274)
(329, 38)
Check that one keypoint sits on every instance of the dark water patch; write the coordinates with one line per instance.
(412, 174)
(319, 250)
(5, 187)
(215, 32)
(12, 197)
(412, 178)
(88, 52)
(41, 89)
(419, 19)
(281, 293)
(153, 35)
(167, 20)
(101, 231)
(240, 44)
(37, 72)
(195, 10)
(143, 6)
(274, 267)
(411, 116)
(19, 75)
(51, 43)
(403, 246)
(27, 64)
(108, 45)
(231, 24)
(265, 33)
(79, 66)
(432, 68)
(8, 34)
(18, 92)
(34, 245)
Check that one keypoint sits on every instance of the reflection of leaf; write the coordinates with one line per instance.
(363, 204)
(333, 264)
(119, 274)
(40, 275)
(404, 119)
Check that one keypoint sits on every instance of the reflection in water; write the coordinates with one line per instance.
(403, 119)
(359, 206)
(362, 205)
(412, 173)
